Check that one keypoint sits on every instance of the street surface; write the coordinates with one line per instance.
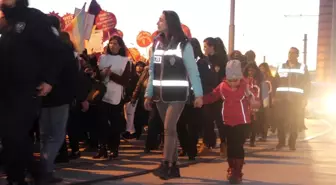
(314, 163)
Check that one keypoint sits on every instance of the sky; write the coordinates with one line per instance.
(261, 25)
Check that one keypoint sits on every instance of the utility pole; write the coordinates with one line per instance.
(305, 39)
(232, 26)
(264, 59)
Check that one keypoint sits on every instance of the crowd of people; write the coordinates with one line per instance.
(181, 94)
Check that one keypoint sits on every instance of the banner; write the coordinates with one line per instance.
(95, 44)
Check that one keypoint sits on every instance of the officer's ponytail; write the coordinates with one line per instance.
(22, 3)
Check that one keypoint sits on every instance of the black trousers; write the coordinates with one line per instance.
(290, 121)
(111, 125)
(212, 115)
(236, 137)
(188, 129)
(155, 130)
(140, 119)
(17, 120)
(76, 129)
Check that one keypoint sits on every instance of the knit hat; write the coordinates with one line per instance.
(234, 70)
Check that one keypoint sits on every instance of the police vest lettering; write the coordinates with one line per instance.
(170, 80)
(284, 73)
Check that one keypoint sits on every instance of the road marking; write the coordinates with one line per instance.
(331, 127)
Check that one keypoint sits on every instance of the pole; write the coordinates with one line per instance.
(232, 26)
(305, 39)
(264, 59)
(333, 45)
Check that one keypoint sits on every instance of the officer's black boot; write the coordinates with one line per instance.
(174, 171)
(163, 171)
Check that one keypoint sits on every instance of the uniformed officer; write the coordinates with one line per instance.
(292, 89)
(171, 67)
(30, 59)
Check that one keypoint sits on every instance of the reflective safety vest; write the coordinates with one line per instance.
(170, 80)
(292, 81)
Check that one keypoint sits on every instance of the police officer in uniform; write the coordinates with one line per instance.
(171, 67)
(30, 59)
(292, 90)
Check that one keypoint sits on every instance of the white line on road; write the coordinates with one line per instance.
(331, 127)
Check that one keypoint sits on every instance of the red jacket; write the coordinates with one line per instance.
(236, 104)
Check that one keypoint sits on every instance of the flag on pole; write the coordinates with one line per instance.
(94, 8)
(76, 30)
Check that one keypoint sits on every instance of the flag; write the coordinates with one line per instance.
(89, 20)
(94, 8)
(76, 30)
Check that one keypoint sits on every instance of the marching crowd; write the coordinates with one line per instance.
(180, 95)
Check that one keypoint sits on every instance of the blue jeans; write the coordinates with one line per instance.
(53, 123)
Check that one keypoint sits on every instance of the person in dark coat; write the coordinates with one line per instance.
(190, 122)
(30, 59)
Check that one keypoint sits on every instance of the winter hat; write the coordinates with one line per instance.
(234, 70)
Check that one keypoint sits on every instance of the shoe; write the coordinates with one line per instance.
(279, 146)
(223, 150)
(192, 158)
(252, 144)
(174, 171)
(237, 175)
(182, 153)
(292, 148)
(114, 155)
(163, 171)
(102, 153)
(62, 158)
(75, 155)
(230, 169)
(52, 179)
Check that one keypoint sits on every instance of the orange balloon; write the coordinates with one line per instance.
(134, 54)
(186, 30)
(144, 39)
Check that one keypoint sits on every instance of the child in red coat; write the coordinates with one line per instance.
(238, 100)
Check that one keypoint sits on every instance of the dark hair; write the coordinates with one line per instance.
(211, 42)
(22, 3)
(297, 50)
(197, 48)
(267, 68)
(250, 56)
(123, 49)
(54, 21)
(175, 31)
(236, 55)
(257, 76)
(65, 37)
(221, 50)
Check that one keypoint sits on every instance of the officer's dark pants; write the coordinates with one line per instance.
(188, 128)
(17, 120)
(290, 122)
(155, 130)
(212, 114)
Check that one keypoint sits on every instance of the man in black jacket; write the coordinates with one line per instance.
(31, 58)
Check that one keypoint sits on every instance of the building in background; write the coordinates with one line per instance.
(326, 63)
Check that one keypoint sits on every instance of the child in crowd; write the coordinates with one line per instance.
(238, 100)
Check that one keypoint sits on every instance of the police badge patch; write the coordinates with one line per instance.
(20, 26)
(172, 60)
